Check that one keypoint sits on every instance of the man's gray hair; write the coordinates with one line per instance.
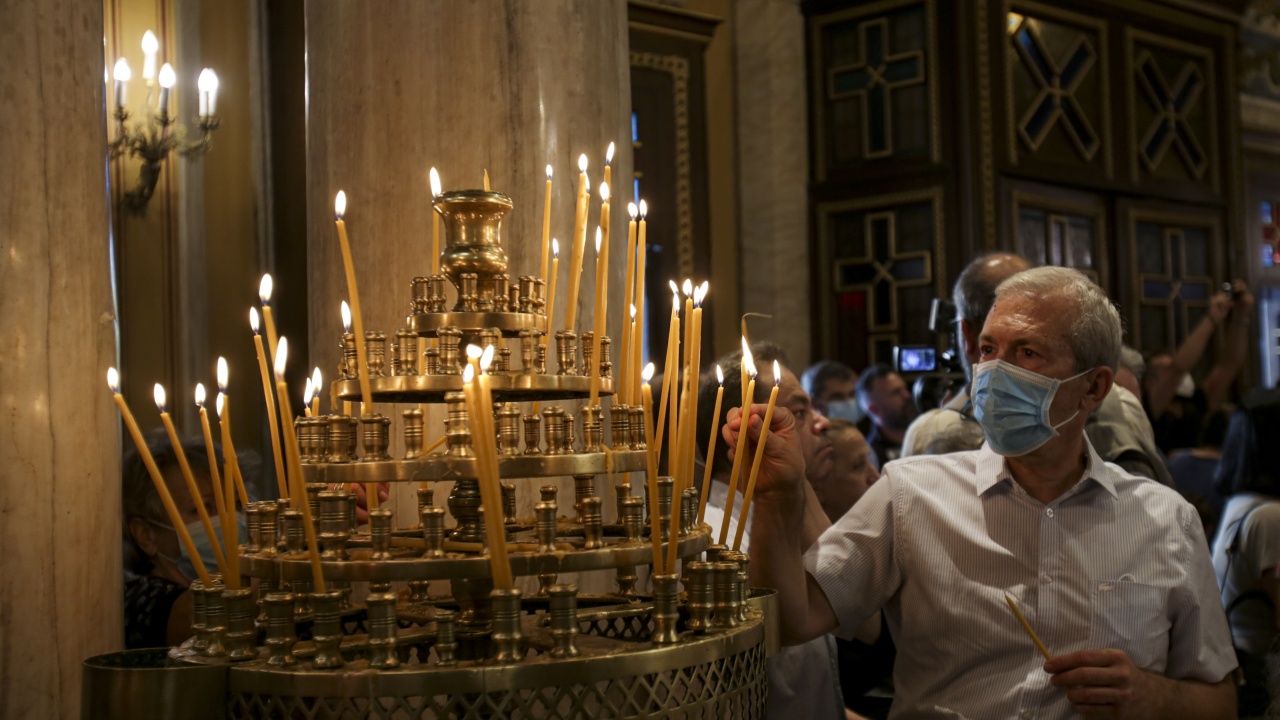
(1094, 331)
(1131, 360)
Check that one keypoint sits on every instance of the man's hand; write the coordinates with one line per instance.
(1220, 307)
(782, 467)
(1106, 683)
(362, 501)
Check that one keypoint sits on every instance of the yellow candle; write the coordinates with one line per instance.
(623, 389)
(346, 328)
(229, 490)
(695, 362)
(435, 224)
(264, 294)
(362, 367)
(490, 491)
(602, 294)
(711, 446)
(297, 485)
(308, 395)
(638, 341)
(268, 393)
(579, 241)
(748, 392)
(608, 165)
(315, 388)
(546, 228)
(228, 447)
(682, 441)
(673, 350)
(551, 284)
(214, 476)
(655, 527)
(190, 479)
(175, 518)
(755, 464)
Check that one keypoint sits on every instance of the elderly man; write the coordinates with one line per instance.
(1111, 570)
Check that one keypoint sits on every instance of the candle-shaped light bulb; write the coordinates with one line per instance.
(548, 172)
(150, 46)
(604, 192)
(582, 162)
(632, 210)
(486, 358)
(158, 393)
(435, 183)
(200, 395)
(264, 289)
(282, 358)
(113, 380)
(346, 317)
(122, 75)
(687, 287)
(253, 320)
(207, 84)
(719, 375)
(223, 374)
(644, 209)
(340, 204)
(647, 374)
(167, 79)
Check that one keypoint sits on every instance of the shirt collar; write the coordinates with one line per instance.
(993, 470)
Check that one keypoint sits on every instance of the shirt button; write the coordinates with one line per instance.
(1049, 512)
(1045, 578)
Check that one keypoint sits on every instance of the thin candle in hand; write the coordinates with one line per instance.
(755, 464)
(748, 392)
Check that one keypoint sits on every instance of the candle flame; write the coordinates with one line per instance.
(264, 289)
(208, 80)
(149, 43)
(633, 312)
(608, 155)
(720, 375)
(253, 320)
(644, 209)
(199, 394)
(582, 163)
(282, 357)
(315, 380)
(308, 392)
(346, 317)
(675, 303)
(468, 374)
(687, 287)
(632, 210)
(486, 359)
(474, 352)
(777, 374)
(647, 374)
(121, 71)
(555, 249)
(675, 289)
(219, 403)
(548, 172)
(599, 238)
(113, 380)
(340, 204)
(604, 192)
(222, 374)
(158, 393)
(747, 361)
(168, 78)
(435, 182)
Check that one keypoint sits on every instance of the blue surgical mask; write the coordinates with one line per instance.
(204, 547)
(845, 409)
(1012, 405)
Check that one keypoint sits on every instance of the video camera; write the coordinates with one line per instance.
(936, 373)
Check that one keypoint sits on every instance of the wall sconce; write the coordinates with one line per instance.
(154, 138)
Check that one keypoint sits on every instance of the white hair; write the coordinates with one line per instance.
(1094, 332)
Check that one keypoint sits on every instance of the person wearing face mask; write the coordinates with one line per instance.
(1112, 571)
(833, 387)
(158, 570)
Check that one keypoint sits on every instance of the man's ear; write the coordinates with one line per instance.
(969, 335)
(141, 531)
(1100, 383)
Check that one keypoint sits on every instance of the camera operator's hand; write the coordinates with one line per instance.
(1242, 299)
(1220, 307)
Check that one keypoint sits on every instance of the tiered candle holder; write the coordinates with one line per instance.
(379, 644)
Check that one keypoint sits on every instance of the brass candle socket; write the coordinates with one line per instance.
(342, 439)
(666, 486)
(540, 363)
(633, 519)
(349, 356)
(508, 425)
(563, 608)
(619, 426)
(445, 644)
(506, 635)
(294, 537)
(567, 352)
(240, 635)
(528, 349)
(437, 301)
(332, 525)
(588, 352)
(547, 493)
(592, 524)
(621, 491)
(637, 427)
(450, 352)
(464, 504)
(508, 503)
(472, 221)
(199, 626)
(457, 426)
(281, 633)
(426, 497)
(502, 292)
(326, 630)
(584, 486)
(215, 622)
(406, 352)
(698, 584)
(592, 429)
(375, 435)
(544, 528)
(380, 534)
(432, 531)
(413, 433)
(606, 361)
(381, 609)
(528, 300)
(421, 290)
(666, 612)
(532, 430)
(431, 361)
(553, 420)
(375, 349)
(268, 528)
(726, 595)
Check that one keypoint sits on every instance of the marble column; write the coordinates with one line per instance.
(397, 87)
(60, 583)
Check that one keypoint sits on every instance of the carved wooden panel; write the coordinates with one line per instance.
(1175, 265)
(874, 98)
(1053, 226)
(884, 258)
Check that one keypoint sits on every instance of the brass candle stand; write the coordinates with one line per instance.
(411, 625)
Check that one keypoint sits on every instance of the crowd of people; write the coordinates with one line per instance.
(1125, 503)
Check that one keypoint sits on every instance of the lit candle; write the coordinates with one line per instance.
(207, 84)
(673, 407)
(673, 350)
(308, 394)
(167, 80)
(196, 495)
(608, 165)
(362, 367)
(150, 46)
(695, 362)
(748, 392)
(546, 229)
(711, 446)
(486, 471)
(682, 441)
(346, 328)
(435, 222)
(602, 294)
(579, 241)
(162, 489)
(655, 527)
(624, 390)
(755, 464)
(315, 399)
(229, 536)
(229, 448)
(228, 489)
(551, 287)
(297, 487)
(265, 287)
(636, 345)
(122, 75)
(269, 394)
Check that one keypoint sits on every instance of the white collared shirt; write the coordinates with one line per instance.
(1117, 561)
